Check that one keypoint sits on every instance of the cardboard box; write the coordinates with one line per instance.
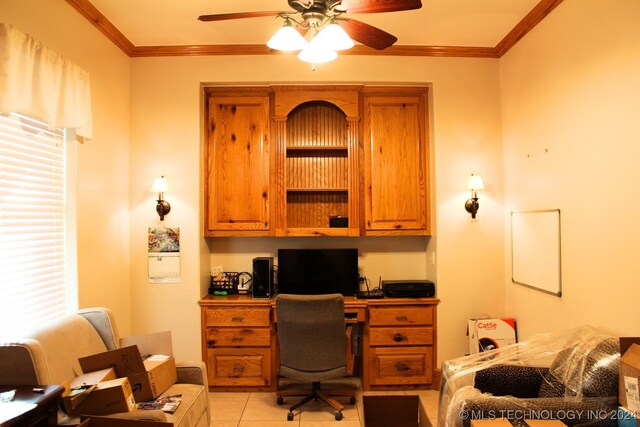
(394, 410)
(489, 334)
(149, 377)
(629, 395)
(106, 397)
(77, 390)
(93, 421)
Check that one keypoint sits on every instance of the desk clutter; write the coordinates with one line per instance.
(312, 272)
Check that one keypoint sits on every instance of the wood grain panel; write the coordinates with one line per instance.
(238, 163)
(401, 336)
(288, 97)
(310, 209)
(238, 337)
(402, 315)
(395, 163)
(317, 124)
(401, 365)
(238, 316)
(316, 165)
(317, 169)
(239, 366)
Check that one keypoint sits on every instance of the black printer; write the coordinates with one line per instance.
(408, 288)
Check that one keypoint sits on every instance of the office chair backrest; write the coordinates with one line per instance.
(311, 332)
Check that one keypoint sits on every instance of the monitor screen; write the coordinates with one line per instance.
(318, 271)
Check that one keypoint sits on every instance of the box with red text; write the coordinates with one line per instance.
(489, 334)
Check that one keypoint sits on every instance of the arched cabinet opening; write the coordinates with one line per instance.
(318, 170)
(317, 167)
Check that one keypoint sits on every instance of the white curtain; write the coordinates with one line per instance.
(39, 82)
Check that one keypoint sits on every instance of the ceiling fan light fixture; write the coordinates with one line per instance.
(334, 37)
(287, 39)
(317, 53)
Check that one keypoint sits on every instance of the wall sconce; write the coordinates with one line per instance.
(475, 184)
(160, 186)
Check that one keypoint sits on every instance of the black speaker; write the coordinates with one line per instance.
(262, 277)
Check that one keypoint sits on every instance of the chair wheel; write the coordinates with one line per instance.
(352, 400)
(339, 416)
(280, 400)
(290, 416)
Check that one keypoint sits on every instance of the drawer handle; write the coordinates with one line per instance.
(237, 370)
(399, 337)
(211, 343)
(237, 319)
(402, 367)
(402, 318)
(237, 339)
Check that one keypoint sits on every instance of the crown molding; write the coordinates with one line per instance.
(537, 14)
(93, 15)
(260, 49)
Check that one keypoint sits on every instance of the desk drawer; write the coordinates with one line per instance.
(239, 366)
(237, 316)
(400, 315)
(400, 336)
(238, 337)
(400, 365)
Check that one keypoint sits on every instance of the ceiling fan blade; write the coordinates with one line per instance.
(239, 15)
(377, 6)
(367, 34)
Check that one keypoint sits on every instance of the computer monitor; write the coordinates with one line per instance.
(318, 271)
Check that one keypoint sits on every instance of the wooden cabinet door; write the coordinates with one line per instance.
(238, 155)
(396, 164)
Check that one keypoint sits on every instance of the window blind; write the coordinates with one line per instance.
(32, 223)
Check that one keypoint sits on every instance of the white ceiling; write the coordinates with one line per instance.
(478, 23)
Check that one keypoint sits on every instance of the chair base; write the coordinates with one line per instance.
(317, 394)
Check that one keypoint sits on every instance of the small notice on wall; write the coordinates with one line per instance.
(164, 255)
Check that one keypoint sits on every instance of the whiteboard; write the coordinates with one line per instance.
(535, 250)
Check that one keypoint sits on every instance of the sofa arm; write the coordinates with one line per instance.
(192, 372)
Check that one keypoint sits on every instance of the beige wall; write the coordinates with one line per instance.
(166, 139)
(103, 162)
(570, 109)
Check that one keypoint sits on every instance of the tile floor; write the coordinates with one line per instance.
(258, 409)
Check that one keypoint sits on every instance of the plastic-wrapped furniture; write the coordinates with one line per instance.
(49, 355)
(570, 376)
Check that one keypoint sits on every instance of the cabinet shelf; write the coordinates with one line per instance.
(316, 231)
(317, 190)
(317, 148)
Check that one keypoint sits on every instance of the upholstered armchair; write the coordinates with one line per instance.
(570, 376)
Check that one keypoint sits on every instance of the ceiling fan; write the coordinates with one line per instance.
(316, 14)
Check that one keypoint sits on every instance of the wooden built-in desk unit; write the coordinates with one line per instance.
(397, 340)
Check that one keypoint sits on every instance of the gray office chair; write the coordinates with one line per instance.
(313, 340)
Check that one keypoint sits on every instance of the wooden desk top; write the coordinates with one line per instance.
(246, 299)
